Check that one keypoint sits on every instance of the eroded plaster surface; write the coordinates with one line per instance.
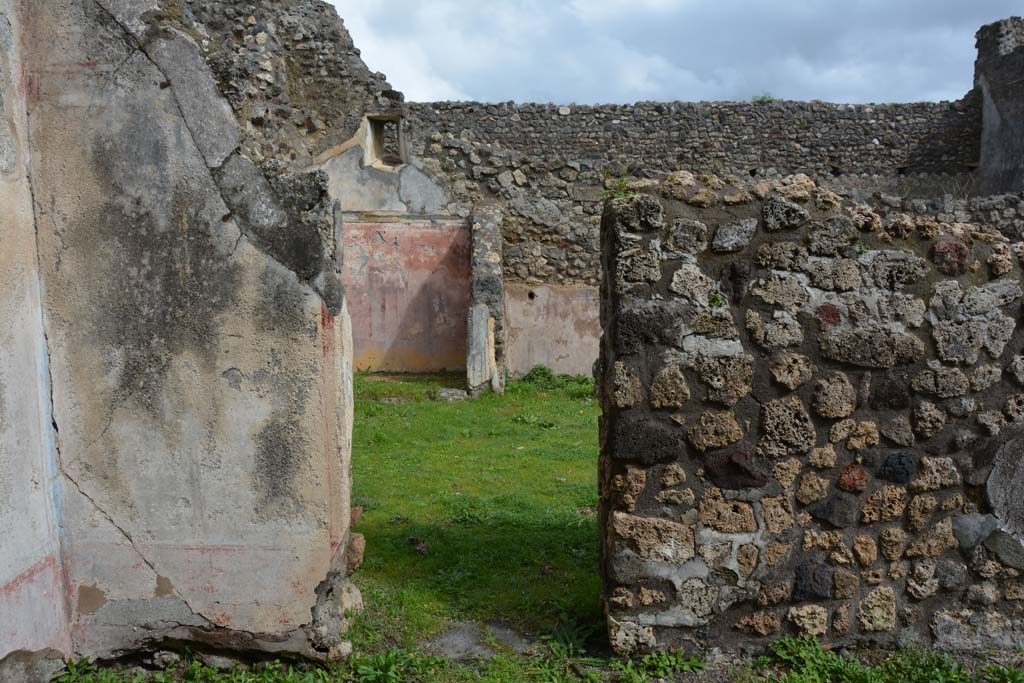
(557, 326)
(32, 591)
(408, 293)
(185, 318)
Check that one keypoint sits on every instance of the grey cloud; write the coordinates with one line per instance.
(616, 51)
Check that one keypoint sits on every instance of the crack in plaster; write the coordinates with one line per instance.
(134, 43)
(210, 626)
(333, 573)
(330, 581)
(54, 453)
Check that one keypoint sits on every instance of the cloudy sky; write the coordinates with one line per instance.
(590, 51)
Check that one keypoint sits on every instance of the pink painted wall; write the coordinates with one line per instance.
(407, 286)
(559, 327)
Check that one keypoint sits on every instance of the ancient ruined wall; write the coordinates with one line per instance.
(198, 347)
(550, 168)
(545, 167)
(488, 339)
(998, 78)
(291, 73)
(551, 164)
(32, 596)
(812, 421)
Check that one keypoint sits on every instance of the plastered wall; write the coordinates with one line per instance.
(177, 360)
(408, 292)
(33, 594)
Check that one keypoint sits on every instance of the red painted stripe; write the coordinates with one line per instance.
(48, 563)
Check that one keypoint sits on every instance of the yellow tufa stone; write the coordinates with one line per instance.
(777, 514)
(654, 538)
(885, 505)
(878, 610)
(726, 516)
(810, 620)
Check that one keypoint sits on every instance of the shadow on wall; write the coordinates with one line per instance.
(408, 289)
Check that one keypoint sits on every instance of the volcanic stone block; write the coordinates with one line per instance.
(841, 510)
(972, 530)
(813, 581)
(780, 214)
(1006, 481)
(736, 470)
(873, 349)
(644, 439)
(899, 468)
(734, 236)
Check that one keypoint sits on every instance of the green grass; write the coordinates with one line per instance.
(485, 510)
(482, 510)
(804, 660)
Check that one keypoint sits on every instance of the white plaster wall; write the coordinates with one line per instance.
(32, 614)
(559, 327)
(200, 389)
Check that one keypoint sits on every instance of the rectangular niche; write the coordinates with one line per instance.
(385, 143)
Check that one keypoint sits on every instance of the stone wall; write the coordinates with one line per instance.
(552, 165)
(812, 421)
(998, 79)
(185, 420)
(291, 73)
(487, 338)
(303, 97)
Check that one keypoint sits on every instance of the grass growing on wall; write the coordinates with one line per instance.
(481, 510)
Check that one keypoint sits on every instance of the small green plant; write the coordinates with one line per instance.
(715, 299)
(630, 672)
(568, 638)
(542, 378)
(804, 660)
(657, 665)
(763, 98)
(76, 672)
(664, 664)
(922, 666)
(618, 185)
(621, 188)
(531, 420)
(807, 661)
(998, 673)
(552, 670)
(393, 666)
(85, 671)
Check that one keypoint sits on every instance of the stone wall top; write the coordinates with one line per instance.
(1000, 38)
(813, 137)
(553, 166)
(301, 92)
(292, 74)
